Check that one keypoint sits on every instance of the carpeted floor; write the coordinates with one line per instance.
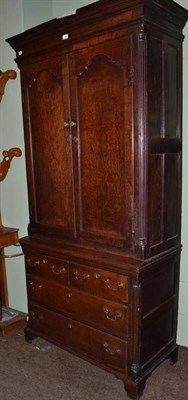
(41, 371)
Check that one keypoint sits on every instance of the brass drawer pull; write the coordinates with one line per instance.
(112, 316)
(36, 263)
(113, 285)
(57, 270)
(69, 295)
(32, 264)
(36, 317)
(112, 351)
(70, 326)
(35, 286)
(80, 277)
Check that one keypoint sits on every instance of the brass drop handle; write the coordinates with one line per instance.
(35, 286)
(56, 270)
(112, 316)
(113, 285)
(112, 351)
(80, 277)
(36, 317)
(34, 264)
(37, 262)
(71, 124)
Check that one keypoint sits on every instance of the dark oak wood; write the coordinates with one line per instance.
(102, 106)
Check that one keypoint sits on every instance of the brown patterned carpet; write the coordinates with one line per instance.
(41, 371)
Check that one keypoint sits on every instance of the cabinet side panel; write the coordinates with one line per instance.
(171, 91)
(154, 338)
(155, 205)
(155, 87)
(172, 197)
(159, 307)
(164, 128)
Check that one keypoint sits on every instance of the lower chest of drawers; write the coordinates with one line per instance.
(79, 307)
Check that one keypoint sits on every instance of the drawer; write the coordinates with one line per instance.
(49, 267)
(102, 314)
(81, 338)
(101, 283)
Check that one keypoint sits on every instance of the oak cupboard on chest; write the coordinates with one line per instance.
(102, 93)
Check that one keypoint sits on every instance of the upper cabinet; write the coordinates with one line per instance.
(79, 134)
(102, 96)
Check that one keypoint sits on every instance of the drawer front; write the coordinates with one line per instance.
(49, 267)
(101, 283)
(102, 314)
(85, 340)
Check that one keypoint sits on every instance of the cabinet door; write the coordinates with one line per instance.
(101, 98)
(48, 151)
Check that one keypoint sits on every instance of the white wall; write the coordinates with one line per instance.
(36, 12)
(16, 16)
(13, 189)
(61, 7)
(183, 298)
